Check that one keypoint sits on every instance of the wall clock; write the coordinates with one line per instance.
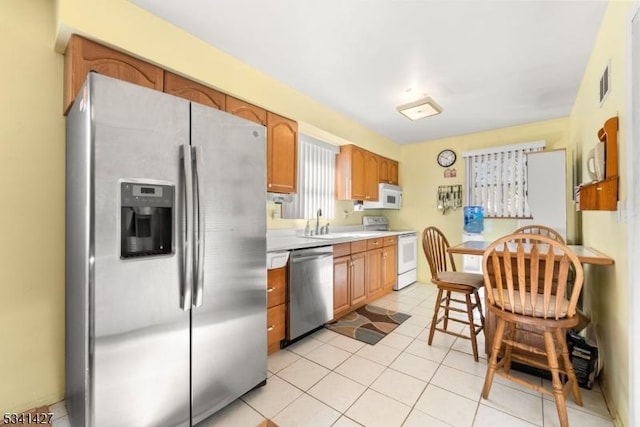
(446, 158)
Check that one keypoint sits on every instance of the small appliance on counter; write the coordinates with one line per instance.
(407, 258)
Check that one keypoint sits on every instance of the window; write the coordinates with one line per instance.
(316, 180)
(496, 179)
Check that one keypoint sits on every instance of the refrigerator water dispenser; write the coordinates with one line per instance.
(146, 219)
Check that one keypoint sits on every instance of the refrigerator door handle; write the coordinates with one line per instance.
(199, 239)
(187, 266)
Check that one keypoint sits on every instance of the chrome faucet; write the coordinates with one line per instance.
(318, 215)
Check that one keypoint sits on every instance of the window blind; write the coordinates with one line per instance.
(316, 180)
(496, 179)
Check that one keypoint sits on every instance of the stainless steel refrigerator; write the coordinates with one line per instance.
(165, 257)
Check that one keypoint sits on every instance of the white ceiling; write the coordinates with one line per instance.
(488, 63)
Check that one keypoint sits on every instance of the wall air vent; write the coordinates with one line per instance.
(605, 88)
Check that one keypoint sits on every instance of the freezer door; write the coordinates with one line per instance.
(140, 334)
(229, 348)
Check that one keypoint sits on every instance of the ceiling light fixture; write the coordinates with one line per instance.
(421, 108)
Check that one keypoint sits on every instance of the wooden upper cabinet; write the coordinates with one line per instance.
(387, 171)
(371, 176)
(350, 173)
(393, 172)
(245, 110)
(196, 92)
(282, 154)
(83, 56)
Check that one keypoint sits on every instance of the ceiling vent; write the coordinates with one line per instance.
(421, 108)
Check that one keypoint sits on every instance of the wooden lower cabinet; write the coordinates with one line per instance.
(362, 272)
(349, 284)
(389, 267)
(374, 273)
(276, 308)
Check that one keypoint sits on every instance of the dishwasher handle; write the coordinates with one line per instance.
(303, 258)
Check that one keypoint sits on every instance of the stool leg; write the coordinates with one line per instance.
(436, 310)
(446, 311)
(511, 335)
(493, 359)
(472, 328)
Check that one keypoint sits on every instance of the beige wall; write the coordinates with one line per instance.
(420, 176)
(32, 214)
(606, 290)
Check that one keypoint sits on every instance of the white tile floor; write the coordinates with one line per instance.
(331, 380)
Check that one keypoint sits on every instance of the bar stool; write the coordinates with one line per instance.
(451, 282)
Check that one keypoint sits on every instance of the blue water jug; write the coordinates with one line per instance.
(473, 219)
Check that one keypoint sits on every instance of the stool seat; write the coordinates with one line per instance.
(459, 278)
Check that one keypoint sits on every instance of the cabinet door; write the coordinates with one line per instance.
(351, 177)
(389, 273)
(282, 154)
(82, 56)
(276, 286)
(393, 172)
(275, 327)
(245, 110)
(383, 170)
(357, 275)
(341, 291)
(196, 92)
(371, 176)
(374, 273)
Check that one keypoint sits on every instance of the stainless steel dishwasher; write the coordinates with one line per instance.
(310, 290)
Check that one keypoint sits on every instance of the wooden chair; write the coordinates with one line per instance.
(542, 230)
(449, 281)
(530, 288)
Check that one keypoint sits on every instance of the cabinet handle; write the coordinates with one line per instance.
(351, 264)
(599, 188)
(270, 185)
(271, 289)
(270, 328)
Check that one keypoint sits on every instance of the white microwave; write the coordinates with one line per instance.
(389, 197)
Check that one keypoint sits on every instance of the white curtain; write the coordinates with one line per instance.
(496, 179)
(316, 180)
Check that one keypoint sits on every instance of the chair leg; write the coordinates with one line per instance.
(436, 310)
(552, 358)
(511, 335)
(472, 328)
(479, 304)
(446, 311)
(493, 359)
(568, 366)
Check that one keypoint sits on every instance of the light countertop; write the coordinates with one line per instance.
(283, 240)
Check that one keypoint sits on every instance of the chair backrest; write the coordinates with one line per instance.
(435, 245)
(527, 274)
(542, 230)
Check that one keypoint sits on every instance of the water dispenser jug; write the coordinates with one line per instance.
(473, 219)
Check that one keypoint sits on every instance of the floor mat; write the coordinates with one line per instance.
(368, 324)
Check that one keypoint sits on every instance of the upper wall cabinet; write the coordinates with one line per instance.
(196, 92)
(356, 174)
(245, 110)
(387, 171)
(83, 56)
(282, 154)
